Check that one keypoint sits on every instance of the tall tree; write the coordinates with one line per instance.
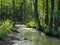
(37, 15)
(13, 2)
(52, 13)
(1, 11)
(46, 16)
(22, 10)
(51, 17)
(43, 11)
(58, 16)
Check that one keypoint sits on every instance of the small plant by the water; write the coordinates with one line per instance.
(5, 27)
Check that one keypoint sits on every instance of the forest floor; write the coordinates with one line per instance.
(14, 38)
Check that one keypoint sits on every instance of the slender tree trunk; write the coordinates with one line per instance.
(37, 15)
(1, 11)
(43, 12)
(51, 17)
(57, 18)
(43, 7)
(22, 11)
(58, 7)
(46, 16)
(13, 2)
(58, 24)
(52, 13)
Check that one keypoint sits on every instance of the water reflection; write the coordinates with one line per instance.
(45, 40)
(39, 39)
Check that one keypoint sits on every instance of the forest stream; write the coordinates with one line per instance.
(29, 36)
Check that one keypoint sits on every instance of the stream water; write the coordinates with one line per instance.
(30, 36)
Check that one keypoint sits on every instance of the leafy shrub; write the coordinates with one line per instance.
(5, 28)
(9, 24)
(32, 24)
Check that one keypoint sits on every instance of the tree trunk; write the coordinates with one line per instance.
(13, 2)
(51, 17)
(46, 16)
(1, 11)
(37, 15)
(57, 17)
(58, 24)
(52, 13)
(21, 12)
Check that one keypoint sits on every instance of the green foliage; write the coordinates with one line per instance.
(23, 11)
(5, 28)
(46, 30)
(9, 24)
(32, 24)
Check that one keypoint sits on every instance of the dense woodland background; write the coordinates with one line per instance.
(43, 15)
